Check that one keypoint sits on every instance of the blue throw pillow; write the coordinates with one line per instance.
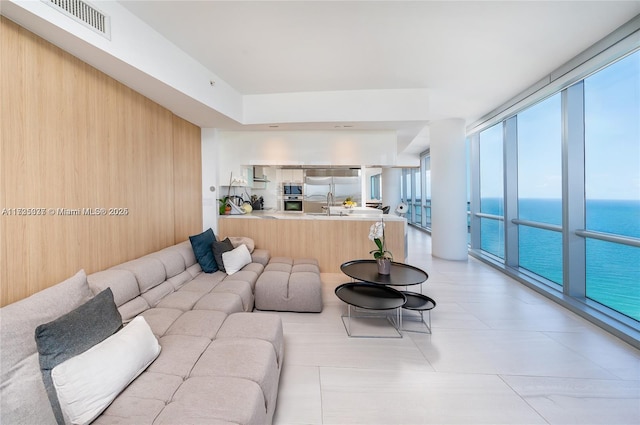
(202, 248)
(73, 334)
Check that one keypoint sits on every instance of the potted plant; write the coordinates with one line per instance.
(382, 256)
(222, 209)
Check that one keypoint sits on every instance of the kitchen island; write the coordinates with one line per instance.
(332, 239)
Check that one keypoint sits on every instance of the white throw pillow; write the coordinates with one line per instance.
(236, 259)
(87, 383)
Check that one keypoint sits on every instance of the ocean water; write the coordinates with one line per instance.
(612, 270)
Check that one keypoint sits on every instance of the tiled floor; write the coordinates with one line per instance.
(499, 353)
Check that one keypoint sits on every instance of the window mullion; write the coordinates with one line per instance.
(573, 191)
(511, 192)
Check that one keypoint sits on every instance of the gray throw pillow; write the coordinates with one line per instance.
(220, 247)
(73, 334)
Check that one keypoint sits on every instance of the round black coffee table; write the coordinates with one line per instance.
(369, 296)
(401, 274)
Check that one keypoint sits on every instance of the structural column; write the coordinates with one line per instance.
(390, 185)
(448, 189)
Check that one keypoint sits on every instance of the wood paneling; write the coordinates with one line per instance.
(73, 138)
(331, 242)
(187, 177)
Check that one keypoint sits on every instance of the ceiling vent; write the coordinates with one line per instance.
(84, 13)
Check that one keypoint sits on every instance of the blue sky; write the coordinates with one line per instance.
(612, 133)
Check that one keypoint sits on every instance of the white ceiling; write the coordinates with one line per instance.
(472, 56)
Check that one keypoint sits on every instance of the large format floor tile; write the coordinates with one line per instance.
(499, 353)
(361, 396)
(580, 401)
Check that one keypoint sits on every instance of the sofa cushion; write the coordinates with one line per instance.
(186, 250)
(261, 256)
(87, 383)
(202, 323)
(160, 319)
(236, 259)
(132, 308)
(130, 410)
(123, 284)
(240, 288)
(23, 398)
(278, 267)
(149, 272)
(248, 358)
(225, 302)
(72, 334)
(264, 326)
(179, 354)
(154, 295)
(152, 386)
(180, 300)
(194, 269)
(171, 259)
(179, 280)
(220, 247)
(215, 401)
(201, 245)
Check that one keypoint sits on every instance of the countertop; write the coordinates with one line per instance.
(356, 213)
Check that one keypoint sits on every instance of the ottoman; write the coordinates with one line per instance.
(288, 284)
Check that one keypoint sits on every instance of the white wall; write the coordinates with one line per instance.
(237, 149)
(338, 106)
(210, 179)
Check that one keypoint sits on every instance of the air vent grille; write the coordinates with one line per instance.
(84, 13)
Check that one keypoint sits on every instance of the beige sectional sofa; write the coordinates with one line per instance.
(218, 362)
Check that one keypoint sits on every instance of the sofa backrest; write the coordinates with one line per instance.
(141, 283)
(23, 399)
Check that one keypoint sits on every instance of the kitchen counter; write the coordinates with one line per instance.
(337, 213)
(332, 239)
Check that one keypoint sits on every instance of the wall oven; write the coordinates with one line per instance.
(293, 189)
(292, 203)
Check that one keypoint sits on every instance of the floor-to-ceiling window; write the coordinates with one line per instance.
(425, 165)
(492, 191)
(416, 193)
(612, 185)
(557, 197)
(376, 193)
(539, 169)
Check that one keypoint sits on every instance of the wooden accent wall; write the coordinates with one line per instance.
(331, 242)
(74, 139)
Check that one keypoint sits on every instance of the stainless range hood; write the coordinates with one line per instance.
(258, 175)
(332, 172)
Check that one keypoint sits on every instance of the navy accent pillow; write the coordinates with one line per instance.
(218, 249)
(201, 245)
(73, 334)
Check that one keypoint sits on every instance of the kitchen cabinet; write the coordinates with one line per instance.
(292, 175)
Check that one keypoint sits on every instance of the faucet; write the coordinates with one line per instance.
(329, 202)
